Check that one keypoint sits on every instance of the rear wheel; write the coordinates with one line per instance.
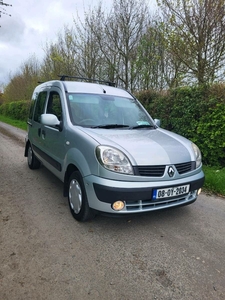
(77, 198)
(32, 160)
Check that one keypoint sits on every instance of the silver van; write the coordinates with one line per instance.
(107, 150)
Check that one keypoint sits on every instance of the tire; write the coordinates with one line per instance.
(77, 198)
(32, 160)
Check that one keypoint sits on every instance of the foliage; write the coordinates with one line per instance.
(22, 84)
(1, 97)
(186, 106)
(197, 112)
(134, 47)
(195, 31)
(17, 110)
(211, 135)
(146, 97)
(124, 45)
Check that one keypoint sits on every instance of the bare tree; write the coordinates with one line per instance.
(89, 58)
(124, 27)
(23, 81)
(53, 62)
(115, 36)
(60, 57)
(196, 35)
(151, 58)
(3, 10)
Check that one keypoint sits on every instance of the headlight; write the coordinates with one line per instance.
(198, 156)
(114, 160)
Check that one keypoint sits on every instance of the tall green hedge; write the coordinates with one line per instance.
(17, 110)
(197, 113)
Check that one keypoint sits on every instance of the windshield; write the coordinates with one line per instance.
(104, 111)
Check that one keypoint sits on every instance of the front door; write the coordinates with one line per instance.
(53, 137)
(35, 126)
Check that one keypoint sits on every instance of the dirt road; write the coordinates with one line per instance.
(46, 254)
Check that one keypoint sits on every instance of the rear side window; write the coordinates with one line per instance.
(39, 109)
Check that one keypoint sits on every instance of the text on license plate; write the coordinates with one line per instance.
(170, 192)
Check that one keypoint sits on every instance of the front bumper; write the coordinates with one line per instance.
(137, 196)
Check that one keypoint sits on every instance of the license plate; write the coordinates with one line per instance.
(170, 192)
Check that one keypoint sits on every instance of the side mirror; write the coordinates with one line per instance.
(51, 120)
(157, 122)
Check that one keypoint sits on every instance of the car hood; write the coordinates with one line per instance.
(146, 147)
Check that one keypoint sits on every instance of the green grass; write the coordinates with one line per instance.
(214, 180)
(214, 177)
(16, 123)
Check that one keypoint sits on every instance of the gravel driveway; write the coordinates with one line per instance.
(46, 254)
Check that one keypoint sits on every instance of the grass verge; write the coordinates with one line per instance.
(214, 180)
(214, 177)
(16, 123)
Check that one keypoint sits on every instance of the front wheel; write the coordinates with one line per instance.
(77, 198)
(32, 160)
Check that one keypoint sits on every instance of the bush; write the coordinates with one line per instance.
(147, 97)
(211, 135)
(197, 113)
(17, 110)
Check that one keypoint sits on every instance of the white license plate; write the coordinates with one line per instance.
(170, 192)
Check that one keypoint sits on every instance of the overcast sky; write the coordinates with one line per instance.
(32, 24)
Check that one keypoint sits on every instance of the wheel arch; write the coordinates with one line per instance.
(75, 161)
(26, 148)
(70, 169)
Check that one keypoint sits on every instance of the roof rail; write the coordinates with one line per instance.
(64, 77)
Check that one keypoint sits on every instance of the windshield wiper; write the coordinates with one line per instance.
(109, 126)
(143, 126)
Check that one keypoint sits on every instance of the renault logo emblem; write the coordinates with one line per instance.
(171, 171)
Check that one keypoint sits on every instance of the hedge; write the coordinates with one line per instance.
(17, 110)
(198, 113)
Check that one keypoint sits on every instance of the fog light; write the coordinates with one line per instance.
(199, 191)
(118, 205)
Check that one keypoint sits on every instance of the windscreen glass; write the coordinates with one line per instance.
(91, 110)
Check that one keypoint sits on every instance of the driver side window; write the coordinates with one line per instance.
(54, 105)
(39, 109)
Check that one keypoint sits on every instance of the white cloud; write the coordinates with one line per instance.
(11, 30)
(31, 25)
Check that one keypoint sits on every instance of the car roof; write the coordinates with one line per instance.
(94, 88)
(86, 87)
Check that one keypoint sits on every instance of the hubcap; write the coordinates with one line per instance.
(75, 196)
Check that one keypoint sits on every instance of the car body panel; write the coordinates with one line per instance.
(70, 146)
(151, 147)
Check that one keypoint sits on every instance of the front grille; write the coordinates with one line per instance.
(150, 171)
(185, 167)
(158, 171)
(148, 205)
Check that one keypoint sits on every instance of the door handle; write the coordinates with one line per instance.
(43, 133)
